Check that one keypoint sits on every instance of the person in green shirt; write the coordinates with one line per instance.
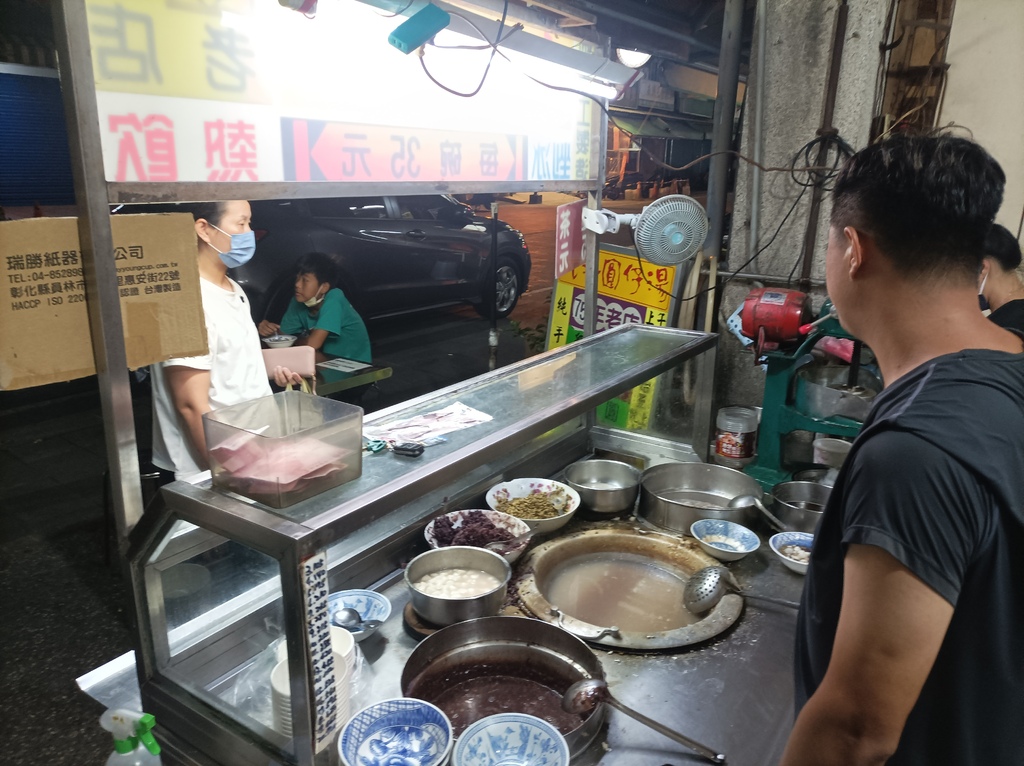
(321, 315)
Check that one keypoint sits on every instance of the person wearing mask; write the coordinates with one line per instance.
(1001, 288)
(908, 647)
(321, 315)
(232, 371)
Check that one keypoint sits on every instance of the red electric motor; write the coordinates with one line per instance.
(772, 317)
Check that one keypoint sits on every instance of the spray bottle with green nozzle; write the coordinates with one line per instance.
(134, 743)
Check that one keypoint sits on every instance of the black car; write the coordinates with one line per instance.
(395, 254)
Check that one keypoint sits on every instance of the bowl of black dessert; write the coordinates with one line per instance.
(479, 528)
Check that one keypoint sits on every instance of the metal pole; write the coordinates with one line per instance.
(97, 247)
(492, 336)
(756, 136)
(722, 129)
(826, 129)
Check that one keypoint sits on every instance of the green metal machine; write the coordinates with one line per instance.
(781, 415)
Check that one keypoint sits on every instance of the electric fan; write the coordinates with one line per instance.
(667, 232)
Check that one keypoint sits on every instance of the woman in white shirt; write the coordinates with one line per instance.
(186, 388)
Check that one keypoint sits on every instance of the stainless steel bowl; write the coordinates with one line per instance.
(443, 668)
(604, 486)
(674, 495)
(799, 504)
(446, 611)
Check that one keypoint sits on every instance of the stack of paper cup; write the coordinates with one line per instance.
(343, 646)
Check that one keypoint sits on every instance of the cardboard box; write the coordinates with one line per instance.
(44, 321)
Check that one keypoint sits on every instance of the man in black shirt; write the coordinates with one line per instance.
(910, 639)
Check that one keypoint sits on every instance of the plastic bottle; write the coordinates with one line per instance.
(134, 744)
(735, 436)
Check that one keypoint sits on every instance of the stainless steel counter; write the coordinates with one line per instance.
(733, 693)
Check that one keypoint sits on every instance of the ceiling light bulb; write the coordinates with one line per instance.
(634, 59)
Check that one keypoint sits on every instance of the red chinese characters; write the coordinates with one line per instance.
(145, 148)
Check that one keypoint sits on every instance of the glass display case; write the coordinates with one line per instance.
(227, 588)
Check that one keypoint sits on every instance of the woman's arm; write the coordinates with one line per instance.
(190, 394)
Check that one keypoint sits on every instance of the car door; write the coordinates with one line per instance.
(441, 246)
(363, 235)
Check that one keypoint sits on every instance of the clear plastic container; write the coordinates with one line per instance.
(735, 437)
(284, 448)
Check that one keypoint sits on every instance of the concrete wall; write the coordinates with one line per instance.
(983, 91)
(797, 54)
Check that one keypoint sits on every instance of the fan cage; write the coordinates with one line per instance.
(671, 230)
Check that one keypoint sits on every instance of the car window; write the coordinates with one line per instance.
(425, 207)
(348, 207)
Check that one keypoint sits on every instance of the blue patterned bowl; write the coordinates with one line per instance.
(370, 605)
(725, 540)
(396, 732)
(799, 539)
(511, 739)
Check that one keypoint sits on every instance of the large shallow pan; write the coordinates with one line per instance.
(674, 495)
(501, 647)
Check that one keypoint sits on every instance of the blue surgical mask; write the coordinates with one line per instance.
(243, 247)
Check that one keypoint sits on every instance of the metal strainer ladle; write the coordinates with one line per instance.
(583, 696)
(707, 586)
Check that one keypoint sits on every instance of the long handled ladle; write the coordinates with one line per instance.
(707, 586)
(583, 696)
(745, 501)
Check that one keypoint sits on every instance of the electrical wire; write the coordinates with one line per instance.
(399, 12)
(492, 45)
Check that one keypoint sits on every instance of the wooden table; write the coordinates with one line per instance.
(331, 381)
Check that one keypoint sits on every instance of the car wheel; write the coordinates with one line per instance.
(509, 285)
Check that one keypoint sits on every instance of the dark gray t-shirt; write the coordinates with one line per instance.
(936, 479)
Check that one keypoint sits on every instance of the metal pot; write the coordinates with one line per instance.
(490, 646)
(674, 495)
(822, 392)
(606, 487)
(799, 504)
(445, 611)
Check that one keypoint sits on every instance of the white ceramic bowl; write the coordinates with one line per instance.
(741, 540)
(561, 496)
(370, 605)
(280, 341)
(511, 739)
(403, 731)
(501, 520)
(803, 539)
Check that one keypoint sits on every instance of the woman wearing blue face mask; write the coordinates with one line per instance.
(321, 315)
(184, 389)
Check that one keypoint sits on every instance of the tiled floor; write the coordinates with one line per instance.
(63, 609)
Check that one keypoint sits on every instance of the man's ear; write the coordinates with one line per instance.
(858, 248)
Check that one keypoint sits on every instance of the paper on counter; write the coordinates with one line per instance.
(454, 417)
(344, 365)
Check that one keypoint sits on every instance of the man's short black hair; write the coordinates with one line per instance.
(320, 265)
(927, 201)
(1001, 245)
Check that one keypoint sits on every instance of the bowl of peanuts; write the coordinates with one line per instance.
(545, 505)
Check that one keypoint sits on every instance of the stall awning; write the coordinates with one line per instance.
(657, 127)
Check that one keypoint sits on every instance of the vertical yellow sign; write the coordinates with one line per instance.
(630, 291)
